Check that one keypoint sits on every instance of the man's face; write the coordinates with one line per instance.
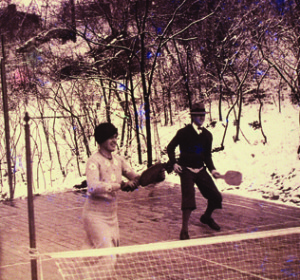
(198, 119)
(110, 144)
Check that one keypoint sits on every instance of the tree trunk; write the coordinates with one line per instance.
(238, 121)
(146, 93)
(220, 104)
(136, 119)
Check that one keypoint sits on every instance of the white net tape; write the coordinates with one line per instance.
(271, 254)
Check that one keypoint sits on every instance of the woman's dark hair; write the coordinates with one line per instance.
(104, 131)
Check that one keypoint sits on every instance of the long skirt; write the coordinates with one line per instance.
(101, 224)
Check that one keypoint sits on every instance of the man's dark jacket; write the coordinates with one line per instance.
(195, 149)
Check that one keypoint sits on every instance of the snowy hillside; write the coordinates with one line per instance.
(270, 171)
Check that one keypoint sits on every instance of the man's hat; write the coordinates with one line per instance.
(198, 109)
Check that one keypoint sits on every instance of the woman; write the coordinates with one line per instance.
(104, 173)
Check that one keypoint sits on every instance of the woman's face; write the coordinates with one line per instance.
(110, 144)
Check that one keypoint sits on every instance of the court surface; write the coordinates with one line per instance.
(147, 215)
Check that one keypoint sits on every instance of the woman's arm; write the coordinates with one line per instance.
(129, 173)
(94, 183)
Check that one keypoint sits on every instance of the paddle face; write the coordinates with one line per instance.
(152, 175)
(233, 178)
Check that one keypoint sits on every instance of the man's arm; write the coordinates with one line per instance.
(210, 165)
(208, 159)
(171, 149)
(171, 153)
(207, 156)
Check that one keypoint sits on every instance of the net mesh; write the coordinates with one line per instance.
(258, 255)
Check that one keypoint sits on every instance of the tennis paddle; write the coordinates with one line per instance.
(233, 178)
(152, 175)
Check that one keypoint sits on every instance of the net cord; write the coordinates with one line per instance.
(171, 244)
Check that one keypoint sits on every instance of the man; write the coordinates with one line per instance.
(195, 144)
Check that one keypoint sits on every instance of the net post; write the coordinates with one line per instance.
(32, 238)
(6, 121)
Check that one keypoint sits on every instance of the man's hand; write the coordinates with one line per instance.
(216, 174)
(177, 168)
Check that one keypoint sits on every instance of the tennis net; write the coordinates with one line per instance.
(271, 254)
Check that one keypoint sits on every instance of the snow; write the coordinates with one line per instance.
(270, 171)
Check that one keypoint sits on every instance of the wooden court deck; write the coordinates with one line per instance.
(146, 215)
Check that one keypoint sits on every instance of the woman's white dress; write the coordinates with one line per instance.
(100, 209)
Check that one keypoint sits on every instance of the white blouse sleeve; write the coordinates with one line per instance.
(127, 170)
(94, 183)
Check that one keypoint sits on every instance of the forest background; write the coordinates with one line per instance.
(140, 64)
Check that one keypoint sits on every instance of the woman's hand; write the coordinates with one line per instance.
(129, 186)
(114, 187)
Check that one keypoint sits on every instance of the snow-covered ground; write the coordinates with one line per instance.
(270, 171)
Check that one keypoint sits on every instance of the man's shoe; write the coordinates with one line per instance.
(184, 235)
(210, 222)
